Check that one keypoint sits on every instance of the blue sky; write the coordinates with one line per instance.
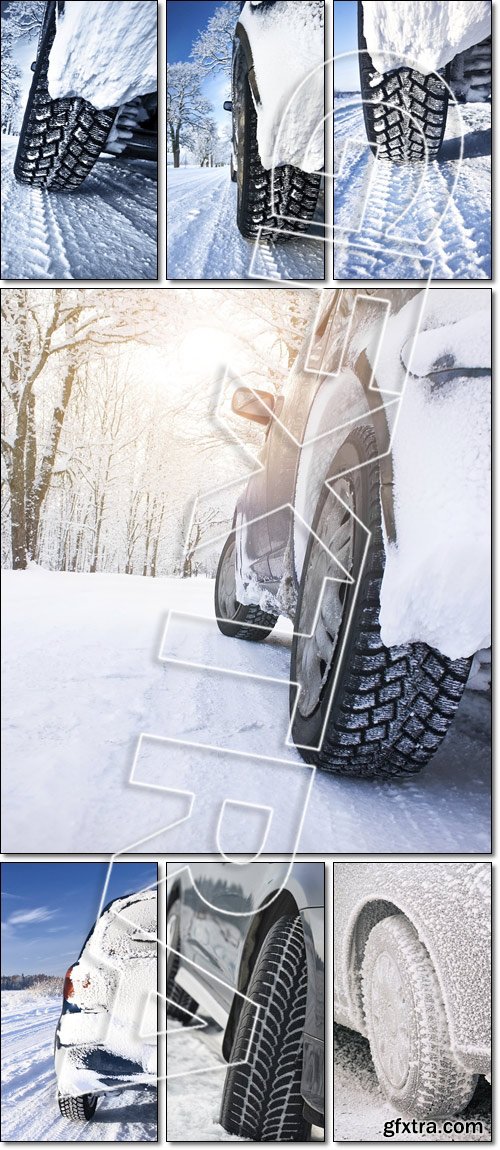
(49, 908)
(345, 39)
(185, 19)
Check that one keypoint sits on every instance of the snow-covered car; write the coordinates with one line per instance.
(94, 90)
(277, 106)
(404, 50)
(412, 973)
(241, 936)
(106, 1038)
(384, 569)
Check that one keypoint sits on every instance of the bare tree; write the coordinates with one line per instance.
(188, 111)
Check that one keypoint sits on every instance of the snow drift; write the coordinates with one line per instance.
(104, 51)
(424, 34)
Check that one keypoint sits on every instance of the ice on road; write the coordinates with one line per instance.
(106, 229)
(361, 1110)
(29, 1105)
(411, 220)
(82, 680)
(203, 241)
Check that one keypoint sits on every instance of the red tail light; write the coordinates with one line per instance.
(68, 990)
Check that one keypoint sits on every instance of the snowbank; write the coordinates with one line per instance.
(288, 50)
(425, 34)
(105, 51)
(436, 585)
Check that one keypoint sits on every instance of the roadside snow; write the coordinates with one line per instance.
(288, 50)
(104, 230)
(105, 51)
(423, 34)
(29, 1107)
(82, 680)
(203, 241)
(194, 1099)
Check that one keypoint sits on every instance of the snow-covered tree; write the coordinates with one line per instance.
(213, 48)
(188, 112)
(20, 21)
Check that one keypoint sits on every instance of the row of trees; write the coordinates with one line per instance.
(105, 443)
(20, 23)
(190, 120)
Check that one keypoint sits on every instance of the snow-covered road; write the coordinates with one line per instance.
(410, 221)
(360, 1109)
(203, 241)
(104, 230)
(82, 680)
(29, 1107)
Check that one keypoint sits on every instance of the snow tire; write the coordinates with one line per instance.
(262, 1097)
(391, 706)
(405, 113)
(77, 1109)
(237, 620)
(60, 140)
(407, 1026)
(180, 1006)
(284, 204)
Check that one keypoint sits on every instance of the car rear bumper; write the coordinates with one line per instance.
(97, 1070)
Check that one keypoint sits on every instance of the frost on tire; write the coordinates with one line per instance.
(407, 1026)
(60, 140)
(262, 1097)
(362, 708)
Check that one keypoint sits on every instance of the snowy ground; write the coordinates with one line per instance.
(82, 680)
(203, 241)
(29, 1106)
(448, 225)
(360, 1109)
(104, 230)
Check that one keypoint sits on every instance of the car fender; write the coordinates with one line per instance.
(426, 36)
(122, 52)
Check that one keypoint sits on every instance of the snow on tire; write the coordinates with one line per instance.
(405, 112)
(60, 140)
(77, 1109)
(407, 1026)
(362, 708)
(237, 620)
(180, 1005)
(280, 200)
(262, 1096)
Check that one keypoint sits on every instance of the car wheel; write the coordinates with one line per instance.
(407, 1026)
(286, 204)
(237, 620)
(180, 1005)
(77, 1109)
(60, 140)
(362, 708)
(405, 113)
(262, 1096)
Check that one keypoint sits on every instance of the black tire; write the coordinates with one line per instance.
(180, 1005)
(288, 202)
(470, 73)
(237, 620)
(262, 1097)
(77, 1109)
(60, 140)
(363, 708)
(407, 1026)
(390, 100)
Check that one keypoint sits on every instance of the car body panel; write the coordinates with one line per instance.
(449, 904)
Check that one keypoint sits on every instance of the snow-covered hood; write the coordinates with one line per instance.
(287, 43)
(106, 1035)
(449, 905)
(423, 34)
(436, 582)
(104, 51)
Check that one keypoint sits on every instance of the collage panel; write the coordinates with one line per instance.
(412, 140)
(246, 106)
(246, 1001)
(412, 1001)
(80, 140)
(79, 1049)
(276, 601)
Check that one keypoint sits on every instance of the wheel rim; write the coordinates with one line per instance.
(320, 621)
(226, 586)
(390, 1016)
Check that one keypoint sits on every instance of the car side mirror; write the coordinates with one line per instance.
(255, 405)
(228, 105)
